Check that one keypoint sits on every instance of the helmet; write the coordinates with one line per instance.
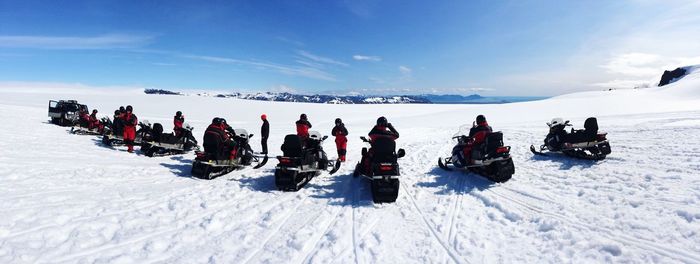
(121, 109)
(129, 108)
(223, 121)
(263, 117)
(556, 122)
(480, 119)
(216, 121)
(94, 110)
(117, 112)
(303, 117)
(338, 121)
(178, 113)
(381, 121)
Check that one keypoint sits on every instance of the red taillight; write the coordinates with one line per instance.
(386, 167)
(501, 150)
(285, 161)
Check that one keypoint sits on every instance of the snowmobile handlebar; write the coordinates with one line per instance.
(364, 139)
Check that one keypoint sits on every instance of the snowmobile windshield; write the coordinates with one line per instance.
(463, 130)
(71, 107)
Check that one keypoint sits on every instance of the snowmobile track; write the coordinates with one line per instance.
(434, 233)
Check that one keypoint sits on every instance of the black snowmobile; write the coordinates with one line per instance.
(211, 165)
(382, 170)
(83, 128)
(162, 144)
(299, 164)
(490, 159)
(587, 143)
(65, 112)
(115, 137)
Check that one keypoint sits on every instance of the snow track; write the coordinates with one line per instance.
(66, 199)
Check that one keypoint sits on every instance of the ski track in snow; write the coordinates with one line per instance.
(65, 198)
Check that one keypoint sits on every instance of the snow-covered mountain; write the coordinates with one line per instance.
(317, 98)
(68, 199)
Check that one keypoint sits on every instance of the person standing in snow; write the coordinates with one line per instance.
(178, 121)
(303, 126)
(341, 140)
(264, 133)
(129, 120)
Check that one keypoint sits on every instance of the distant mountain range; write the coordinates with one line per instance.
(358, 99)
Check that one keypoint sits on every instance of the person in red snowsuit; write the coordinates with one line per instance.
(178, 121)
(383, 129)
(341, 140)
(303, 126)
(478, 134)
(94, 122)
(84, 118)
(129, 121)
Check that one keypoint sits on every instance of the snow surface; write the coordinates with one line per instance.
(67, 198)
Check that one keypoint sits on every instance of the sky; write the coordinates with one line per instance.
(506, 48)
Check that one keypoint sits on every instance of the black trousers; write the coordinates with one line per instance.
(263, 142)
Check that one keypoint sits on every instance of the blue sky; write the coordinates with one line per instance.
(520, 48)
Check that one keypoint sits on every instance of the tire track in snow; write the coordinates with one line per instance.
(275, 230)
(456, 207)
(432, 231)
(607, 233)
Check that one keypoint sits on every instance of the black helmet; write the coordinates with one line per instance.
(178, 113)
(381, 121)
(216, 120)
(121, 109)
(303, 117)
(338, 121)
(117, 112)
(480, 119)
(129, 108)
(94, 110)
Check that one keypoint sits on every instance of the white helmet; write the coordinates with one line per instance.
(556, 121)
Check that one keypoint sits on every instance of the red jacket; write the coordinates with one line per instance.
(303, 128)
(480, 132)
(177, 122)
(130, 120)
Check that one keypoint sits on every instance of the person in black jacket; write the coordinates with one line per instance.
(264, 133)
(341, 140)
(217, 141)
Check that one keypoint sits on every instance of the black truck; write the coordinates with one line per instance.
(65, 112)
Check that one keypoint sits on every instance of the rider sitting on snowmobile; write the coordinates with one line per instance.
(94, 121)
(477, 134)
(383, 129)
(84, 118)
(217, 141)
(178, 120)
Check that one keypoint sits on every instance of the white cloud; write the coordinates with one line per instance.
(284, 89)
(405, 70)
(320, 59)
(109, 41)
(366, 58)
(304, 71)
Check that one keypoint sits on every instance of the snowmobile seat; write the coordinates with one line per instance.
(589, 133)
(157, 132)
(384, 150)
(292, 146)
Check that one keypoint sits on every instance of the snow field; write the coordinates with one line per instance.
(65, 198)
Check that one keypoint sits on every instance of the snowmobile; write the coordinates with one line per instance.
(299, 164)
(162, 144)
(382, 170)
(587, 143)
(208, 166)
(490, 159)
(112, 137)
(84, 129)
(65, 112)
